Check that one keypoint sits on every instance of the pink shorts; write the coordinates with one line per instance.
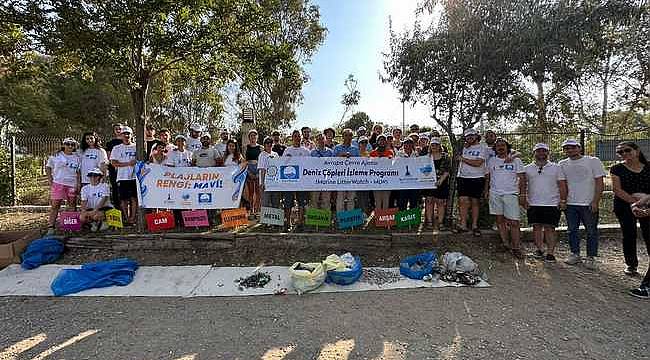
(63, 192)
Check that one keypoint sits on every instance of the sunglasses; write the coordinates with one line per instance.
(69, 144)
(624, 151)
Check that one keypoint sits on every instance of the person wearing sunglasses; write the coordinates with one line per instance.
(584, 180)
(64, 177)
(543, 195)
(630, 178)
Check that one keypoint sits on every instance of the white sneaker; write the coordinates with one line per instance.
(93, 227)
(573, 259)
(103, 226)
(590, 263)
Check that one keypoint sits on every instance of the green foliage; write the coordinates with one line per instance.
(5, 177)
(357, 120)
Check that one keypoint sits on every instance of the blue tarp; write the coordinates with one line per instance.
(119, 272)
(425, 262)
(41, 251)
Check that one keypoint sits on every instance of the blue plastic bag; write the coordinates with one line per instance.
(119, 272)
(41, 251)
(346, 277)
(427, 259)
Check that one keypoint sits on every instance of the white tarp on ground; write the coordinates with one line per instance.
(186, 281)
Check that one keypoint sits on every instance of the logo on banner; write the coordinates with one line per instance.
(318, 217)
(234, 218)
(385, 218)
(290, 172)
(349, 219)
(272, 216)
(408, 218)
(205, 198)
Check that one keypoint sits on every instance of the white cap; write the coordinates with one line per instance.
(69, 140)
(435, 141)
(206, 135)
(541, 146)
(424, 135)
(195, 127)
(363, 138)
(180, 136)
(126, 129)
(570, 142)
(470, 131)
(361, 128)
(95, 171)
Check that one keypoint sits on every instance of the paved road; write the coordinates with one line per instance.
(532, 312)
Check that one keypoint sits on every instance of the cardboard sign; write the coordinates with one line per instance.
(70, 221)
(318, 217)
(408, 218)
(385, 218)
(195, 218)
(349, 219)
(272, 216)
(114, 218)
(234, 218)
(158, 221)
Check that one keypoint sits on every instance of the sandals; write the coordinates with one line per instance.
(459, 229)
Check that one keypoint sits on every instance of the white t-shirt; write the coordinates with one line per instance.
(179, 158)
(64, 168)
(206, 157)
(503, 175)
(90, 159)
(489, 151)
(474, 152)
(193, 144)
(221, 148)
(228, 161)
(543, 189)
(580, 177)
(94, 194)
(263, 161)
(124, 154)
(296, 151)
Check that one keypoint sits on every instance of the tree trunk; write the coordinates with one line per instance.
(541, 106)
(138, 97)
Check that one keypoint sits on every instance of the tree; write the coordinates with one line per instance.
(350, 98)
(358, 120)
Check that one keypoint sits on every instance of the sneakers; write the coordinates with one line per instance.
(630, 271)
(590, 263)
(573, 259)
(641, 293)
(538, 254)
(550, 258)
(94, 226)
(103, 226)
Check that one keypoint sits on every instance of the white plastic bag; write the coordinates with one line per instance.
(457, 262)
(305, 280)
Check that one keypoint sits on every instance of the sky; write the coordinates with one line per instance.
(357, 36)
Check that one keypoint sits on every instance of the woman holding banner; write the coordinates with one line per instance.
(382, 196)
(436, 199)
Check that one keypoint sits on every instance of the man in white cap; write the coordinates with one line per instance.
(193, 143)
(543, 195)
(584, 180)
(123, 158)
(180, 156)
(206, 156)
(95, 200)
(470, 182)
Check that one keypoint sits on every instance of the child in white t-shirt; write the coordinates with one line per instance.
(64, 178)
(95, 199)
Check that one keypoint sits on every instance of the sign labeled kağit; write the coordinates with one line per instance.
(189, 187)
(348, 174)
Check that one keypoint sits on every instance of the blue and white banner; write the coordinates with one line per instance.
(189, 187)
(349, 174)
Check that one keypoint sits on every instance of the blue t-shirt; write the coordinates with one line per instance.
(322, 153)
(339, 149)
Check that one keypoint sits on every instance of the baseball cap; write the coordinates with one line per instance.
(570, 142)
(424, 136)
(363, 138)
(361, 128)
(126, 129)
(267, 140)
(470, 131)
(206, 135)
(69, 140)
(382, 136)
(95, 172)
(195, 127)
(541, 146)
(435, 141)
(180, 136)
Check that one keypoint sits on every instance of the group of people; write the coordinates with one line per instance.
(489, 168)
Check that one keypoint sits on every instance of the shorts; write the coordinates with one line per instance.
(470, 187)
(63, 192)
(127, 189)
(544, 215)
(441, 193)
(506, 205)
(301, 197)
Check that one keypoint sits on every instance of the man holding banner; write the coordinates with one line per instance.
(321, 199)
(300, 197)
(345, 199)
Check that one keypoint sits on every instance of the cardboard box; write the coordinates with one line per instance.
(10, 252)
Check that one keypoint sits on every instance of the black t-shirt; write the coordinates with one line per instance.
(253, 152)
(631, 182)
(279, 148)
(109, 147)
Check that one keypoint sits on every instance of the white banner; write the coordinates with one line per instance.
(189, 187)
(349, 174)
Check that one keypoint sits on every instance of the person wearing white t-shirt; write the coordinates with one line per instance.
(123, 158)
(584, 180)
(502, 189)
(180, 156)
(92, 156)
(95, 199)
(206, 156)
(543, 195)
(300, 197)
(193, 143)
(63, 175)
(470, 181)
(269, 198)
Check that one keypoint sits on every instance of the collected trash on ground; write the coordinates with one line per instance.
(461, 269)
(40, 252)
(348, 269)
(376, 276)
(257, 280)
(119, 272)
(418, 266)
(306, 277)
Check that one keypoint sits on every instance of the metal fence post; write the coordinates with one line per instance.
(14, 192)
